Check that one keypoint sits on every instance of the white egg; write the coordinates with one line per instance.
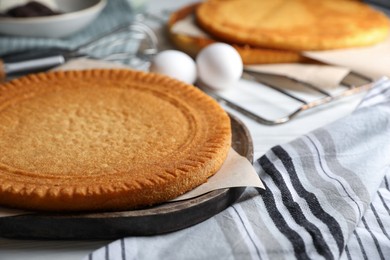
(175, 64)
(219, 66)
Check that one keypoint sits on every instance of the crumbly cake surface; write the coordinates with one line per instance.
(249, 55)
(105, 140)
(294, 24)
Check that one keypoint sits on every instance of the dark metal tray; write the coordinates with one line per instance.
(160, 219)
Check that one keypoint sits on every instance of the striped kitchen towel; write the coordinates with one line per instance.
(327, 197)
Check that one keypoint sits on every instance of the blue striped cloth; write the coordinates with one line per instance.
(327, 197)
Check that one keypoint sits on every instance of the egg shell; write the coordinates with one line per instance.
(219, 66)
(175, 64)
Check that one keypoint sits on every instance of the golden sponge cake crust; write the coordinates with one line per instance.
(294, 24)
(105, 140)
(192, 45)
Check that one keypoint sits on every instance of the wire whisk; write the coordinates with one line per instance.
(133, 44)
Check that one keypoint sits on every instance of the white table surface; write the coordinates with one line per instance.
(264, 137)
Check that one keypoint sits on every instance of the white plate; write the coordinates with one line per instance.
(77, 14)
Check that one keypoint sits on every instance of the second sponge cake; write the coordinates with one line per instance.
(294, 24)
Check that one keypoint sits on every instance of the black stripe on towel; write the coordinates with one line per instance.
(378, 219)
(311, 199)
(123, 249)
(348, 253)
(107, 252)
(378, 248)
(295, 239)
(386, 182)
(339, 182)
(295, 210)
(360, 245)
(383, 202)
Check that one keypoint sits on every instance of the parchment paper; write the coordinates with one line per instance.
(372, 61)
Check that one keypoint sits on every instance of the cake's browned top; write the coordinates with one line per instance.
(249, 55)
(294, 24)
(105, 140)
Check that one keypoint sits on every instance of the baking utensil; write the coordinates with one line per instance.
(131, 43)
